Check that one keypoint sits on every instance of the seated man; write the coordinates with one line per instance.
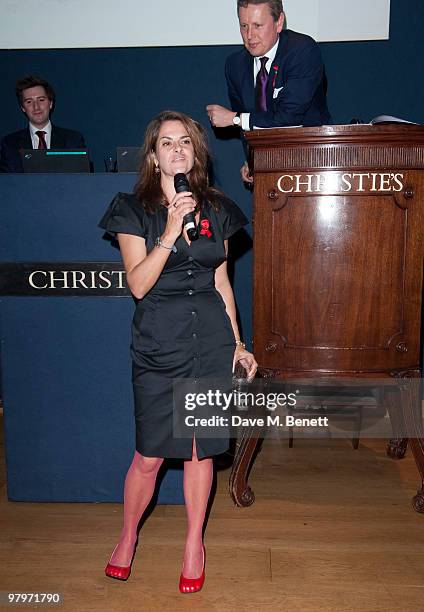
(36, 99)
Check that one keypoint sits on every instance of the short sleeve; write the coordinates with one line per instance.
(125, 215)
(233, 217)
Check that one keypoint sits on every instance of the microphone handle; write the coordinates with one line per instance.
(189, 220)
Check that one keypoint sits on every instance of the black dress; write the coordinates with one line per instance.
(180, 328)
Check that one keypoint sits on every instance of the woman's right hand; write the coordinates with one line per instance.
(181, 204)
(246, 176)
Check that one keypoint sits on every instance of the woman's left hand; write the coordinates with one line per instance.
(247, 360)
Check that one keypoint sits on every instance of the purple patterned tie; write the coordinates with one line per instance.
(260, 87)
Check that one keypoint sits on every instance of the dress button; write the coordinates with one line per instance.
(190, 258)
(194, 335)
(189, 272)
(194, 313)
(190, 291)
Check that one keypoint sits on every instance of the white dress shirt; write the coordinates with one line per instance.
(47, 136)
(245, 117)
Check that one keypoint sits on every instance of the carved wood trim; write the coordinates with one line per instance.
(407, 373)
(338, 156)
(394, 135)
(240, 491)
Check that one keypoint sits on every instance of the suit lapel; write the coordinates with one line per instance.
(25, 141)
(56, 142)
(276, 75)
(247, 85)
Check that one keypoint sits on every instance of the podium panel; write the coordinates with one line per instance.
(338, 225)
(65, 361)
(338, 271)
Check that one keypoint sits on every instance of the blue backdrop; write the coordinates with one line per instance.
(66, 369)
(111, 94)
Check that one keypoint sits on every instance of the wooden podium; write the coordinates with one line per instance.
(338, 265)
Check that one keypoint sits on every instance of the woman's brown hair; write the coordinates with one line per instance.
(148, 187)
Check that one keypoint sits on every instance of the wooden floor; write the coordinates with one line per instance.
(332, 530)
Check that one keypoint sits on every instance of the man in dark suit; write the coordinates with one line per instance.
(277, 80)
(36, 99)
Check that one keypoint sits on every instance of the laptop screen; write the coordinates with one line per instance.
(55, 160)
(128, 159)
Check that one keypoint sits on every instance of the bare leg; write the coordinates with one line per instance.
(198, 475)
(139, 487)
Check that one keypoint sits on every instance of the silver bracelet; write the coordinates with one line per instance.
(159, 243)
(240, 343)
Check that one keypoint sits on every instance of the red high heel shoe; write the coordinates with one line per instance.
(117, 571)
(192, 585)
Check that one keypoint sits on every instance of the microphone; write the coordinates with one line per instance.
(189, 220)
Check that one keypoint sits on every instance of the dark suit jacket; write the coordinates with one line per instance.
(12, 144)
(296, 92)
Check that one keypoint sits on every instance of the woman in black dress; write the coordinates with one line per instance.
(184, 325)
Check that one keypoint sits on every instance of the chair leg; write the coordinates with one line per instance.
(357, 433)
(290, 437)
(396, 447)
(240, 491)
